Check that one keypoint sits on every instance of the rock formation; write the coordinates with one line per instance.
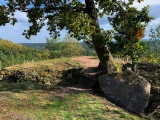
(128, 90)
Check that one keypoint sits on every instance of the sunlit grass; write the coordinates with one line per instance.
(64, 103)
(65, 100)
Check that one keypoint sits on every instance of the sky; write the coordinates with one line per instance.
(14, 33)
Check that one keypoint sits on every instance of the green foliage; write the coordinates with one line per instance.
(147, 53)
(155, 39)
(1, 65)
(151, 52)
(129, 26)
(89, 52)
(79, 18)
(12, 54)
(67, 47)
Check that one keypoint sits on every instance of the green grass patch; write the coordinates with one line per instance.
(68, 99)
(61, 103)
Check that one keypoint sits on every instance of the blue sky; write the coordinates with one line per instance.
(14, 33)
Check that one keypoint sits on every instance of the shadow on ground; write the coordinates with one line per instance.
(75, 78)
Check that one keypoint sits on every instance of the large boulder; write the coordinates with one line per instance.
(153, 108)
(128, 90)
(1, 77)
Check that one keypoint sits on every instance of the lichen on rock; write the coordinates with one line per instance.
(126, 89)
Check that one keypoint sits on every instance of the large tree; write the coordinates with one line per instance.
(79, 17)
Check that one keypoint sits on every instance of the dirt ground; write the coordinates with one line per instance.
(91, 66)
(87, 61)
(90, 61)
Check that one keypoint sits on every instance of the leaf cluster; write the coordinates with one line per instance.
(78, 17)
(66, 47)
(154, 54)
(129, 25)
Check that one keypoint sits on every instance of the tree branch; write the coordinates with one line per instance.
(50, 8)
(115, 1)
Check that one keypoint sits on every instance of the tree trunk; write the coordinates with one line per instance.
(106, 60)
(134, 64)
(133, 67)
(103, 53)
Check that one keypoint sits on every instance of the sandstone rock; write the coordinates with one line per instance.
(155, 90)
(1, 77)
(132, 95)
(153, 108)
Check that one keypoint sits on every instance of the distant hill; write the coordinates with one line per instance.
(12, 53)
(40, 46)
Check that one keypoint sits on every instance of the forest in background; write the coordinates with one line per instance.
(41, 46)
(63, 47)
(11, 54)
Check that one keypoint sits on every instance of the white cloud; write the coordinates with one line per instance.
(107, 26)
(154, 9)
(14, 33)
(21, 16)
(145, 3)
(155, 22)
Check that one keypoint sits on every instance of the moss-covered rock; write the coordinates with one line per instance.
(43, 72)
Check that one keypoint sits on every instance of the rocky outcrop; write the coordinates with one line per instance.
(128, 90)
(153, 108)
(20, 74)
(46, 74)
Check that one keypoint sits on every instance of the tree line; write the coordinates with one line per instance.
(11, 54)
(67, 47)
(151, 51)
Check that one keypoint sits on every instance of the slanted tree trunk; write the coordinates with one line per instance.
(106, 60)
(103, 53)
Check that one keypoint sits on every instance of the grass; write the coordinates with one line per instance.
(66, 100)
(59, 103)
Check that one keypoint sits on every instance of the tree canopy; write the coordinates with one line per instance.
(67, 47)
(79, 17)
(74, 15)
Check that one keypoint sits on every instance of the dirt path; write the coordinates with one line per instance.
(91, 63)
(87, 61)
